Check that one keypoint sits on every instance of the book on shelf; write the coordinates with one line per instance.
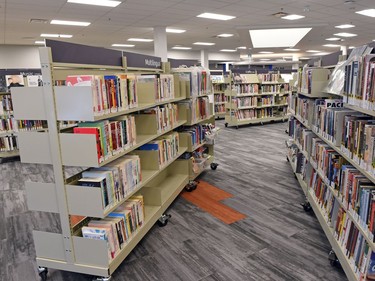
(166, 116)
(92, 131)
(99, 234)
(34, 81)
(8, 143)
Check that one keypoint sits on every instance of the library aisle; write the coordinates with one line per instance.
(277, 240)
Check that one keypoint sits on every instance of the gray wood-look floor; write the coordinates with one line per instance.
(277, 240)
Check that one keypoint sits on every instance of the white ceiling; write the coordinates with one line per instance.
(136, 18)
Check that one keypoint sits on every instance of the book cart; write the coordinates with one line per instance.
(199, 132)
(160, 184)
(256, 98)
(328, 171)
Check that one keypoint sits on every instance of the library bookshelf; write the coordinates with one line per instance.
(256, 98)
(158, 184)
(325, 184)
(220, 99)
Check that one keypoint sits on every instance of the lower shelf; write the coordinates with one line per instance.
(233, 121)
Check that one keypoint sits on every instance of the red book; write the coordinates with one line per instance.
(91, 131)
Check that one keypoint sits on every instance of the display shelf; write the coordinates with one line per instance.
(4, 93)
(6, 133)
(207, 119)
(360, 109)
(9, 154)
(221, 102)
(316, 95)
(235, 122)
(193, 175)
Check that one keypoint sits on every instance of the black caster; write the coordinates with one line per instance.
(163, 221)
(287, 159)
(286, 132)
(333, 260)
(43, 273)
(214, 166)
(102, 278)
(237, 127)
(306, 206)
(226, 125)
(192, 185)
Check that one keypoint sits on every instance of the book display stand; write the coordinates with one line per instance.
(157, 175)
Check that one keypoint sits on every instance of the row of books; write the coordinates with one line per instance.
(352, 242)
(163, 85)
(7, 124)
(266, 101)
(244, 114)
(246, 78)
(167, 146)
(220, 98)
(115, 180)
(112, 137)
(245, 88)
(220, 108)
(198, 78)
(196, 132)
(272, 89)
(200, 108)
(281, 99)
(119, 227)
(8, 143)
(166, 116)
(6, 106)
(219, 87)
(110, 93)
(245, 101)
(269, 77)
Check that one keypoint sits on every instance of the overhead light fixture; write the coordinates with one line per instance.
(140, 40)
(204, 43)
(174, 30)
(292, 50)
(68, 22)
(264, 59)
(56, 35)
(181, 48)
(123, 45)
(242, 48)
(343, 26)
(228, 50)
(351, 47)
(105, 3)
(292, 17)
(312, 51)
(215, 16)
(333, 39)
(277, 38)
(265, 52)
(331, 45)
(304, 58)
(39, 42)
(225, 35)
(367, 12)
(345, 34)
(321, 54)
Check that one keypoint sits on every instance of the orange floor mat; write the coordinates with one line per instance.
(208, 197)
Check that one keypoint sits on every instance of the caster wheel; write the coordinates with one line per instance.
(43, 273)
(306, 206)
(287, 159)
(333, 261)
(214, 166)
(163, 221)
(237, 127)
(190, 187)
(226, 125)
(162, 224)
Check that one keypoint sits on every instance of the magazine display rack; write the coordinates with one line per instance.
(159, 185)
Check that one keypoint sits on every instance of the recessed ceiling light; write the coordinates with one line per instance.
(224, 35)
(56, 35)
(181, 48)
(39, 42)
(292, 17)
(264, 59)
(265, 52)
(140, 40)
(331, 45)
(351, 47)
(204, 43)
(304, 58)
(345, 34)
(277, 38)
(38, 21)
(228, 50)
(367, 12)
(342, 26)
(123, 45)
(312, 51)
(215, 16)
(69, 22)
(320, 54)
(174, 30)
(105, 3)
(333, 39)
(242, 48)
(292, 50)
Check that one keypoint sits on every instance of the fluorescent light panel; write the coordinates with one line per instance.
(292, 17)
(312, 51)
(345, 34)
(265, 52)
(140, 40)
(292, 50)
(174, 30)
(242, 48)
(123, 45)
(181, 48)
(204, 43)
(265, 59)
(343, 26)
(367, 12)
(224, 35)
(105, 3)
(333, 39)
(56, 35)
(331, 45)
(39, 42)
(69, 22)
(277, 38)
(228, 50)
(215, 16)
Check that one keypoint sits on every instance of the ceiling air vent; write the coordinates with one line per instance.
(279, 14)
(38, 21)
